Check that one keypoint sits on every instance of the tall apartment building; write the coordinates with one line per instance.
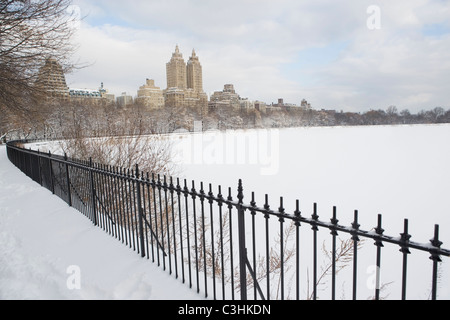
(184, 82)
(194, 73)
(176, 71)
(51, 79)
(150, 96)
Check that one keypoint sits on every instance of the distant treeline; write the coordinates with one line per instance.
(64, 119)
(373, 117)
(299, 117)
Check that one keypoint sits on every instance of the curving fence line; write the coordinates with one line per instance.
(213, 242)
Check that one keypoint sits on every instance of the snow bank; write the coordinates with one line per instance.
(50, 251)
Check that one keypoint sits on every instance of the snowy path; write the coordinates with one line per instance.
(51, 251)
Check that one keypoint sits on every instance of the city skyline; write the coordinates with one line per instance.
(346, 56)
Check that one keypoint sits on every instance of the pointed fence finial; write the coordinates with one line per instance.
(240, 191)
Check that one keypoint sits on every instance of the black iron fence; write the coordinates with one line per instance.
(215, 243)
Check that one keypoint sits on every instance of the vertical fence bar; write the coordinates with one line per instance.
(253, 213)
(267, 217)
(334, 222)
(101, 197)
(230, 217)
(281, 220)
(355, 238)
(166, 213)
(112, 194)
(315, 217)
(194, 193)
(379, 231)
(52, 183)
(146, 205)
(178, 187)
(39, 168)
(134, 211)
(87, 191)
(436, 259)
(404, 249)
(203, 244)
(153, 184)
(98, 195)
(93, 202)
(29, 164)
(69, 196)
(210, 200)
(222, 265)
(297, 215)
(125, 206)
(150, 223)
(161, 221)
(126, 219)
(106, 200)
(116, 193)
(186, 195)
(141, 212)
(242, 247)
(171, 190)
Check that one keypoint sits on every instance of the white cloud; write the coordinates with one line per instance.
(256, 45)
(396, 65)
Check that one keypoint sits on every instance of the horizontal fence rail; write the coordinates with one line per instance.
(213, 242)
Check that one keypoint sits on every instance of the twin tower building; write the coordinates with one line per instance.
(184, 85)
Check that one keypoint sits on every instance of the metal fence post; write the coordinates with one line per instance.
(435, 258)
(52, 184)
(242, 247)
(39, 167)
(69, 196)
(141, 213)
(93, 195)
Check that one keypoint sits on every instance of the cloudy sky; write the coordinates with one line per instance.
(351, 55)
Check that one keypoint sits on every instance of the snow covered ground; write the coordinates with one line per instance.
(397, 171)
(50, 251)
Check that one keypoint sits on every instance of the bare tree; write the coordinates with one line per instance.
(30, 32)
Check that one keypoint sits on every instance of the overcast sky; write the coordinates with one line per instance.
(351, 55)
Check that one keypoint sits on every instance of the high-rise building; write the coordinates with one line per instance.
(176, 71)
(184, 82)
(51, 79)
(194, 73)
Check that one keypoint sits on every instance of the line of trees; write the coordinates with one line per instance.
(69, 119)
